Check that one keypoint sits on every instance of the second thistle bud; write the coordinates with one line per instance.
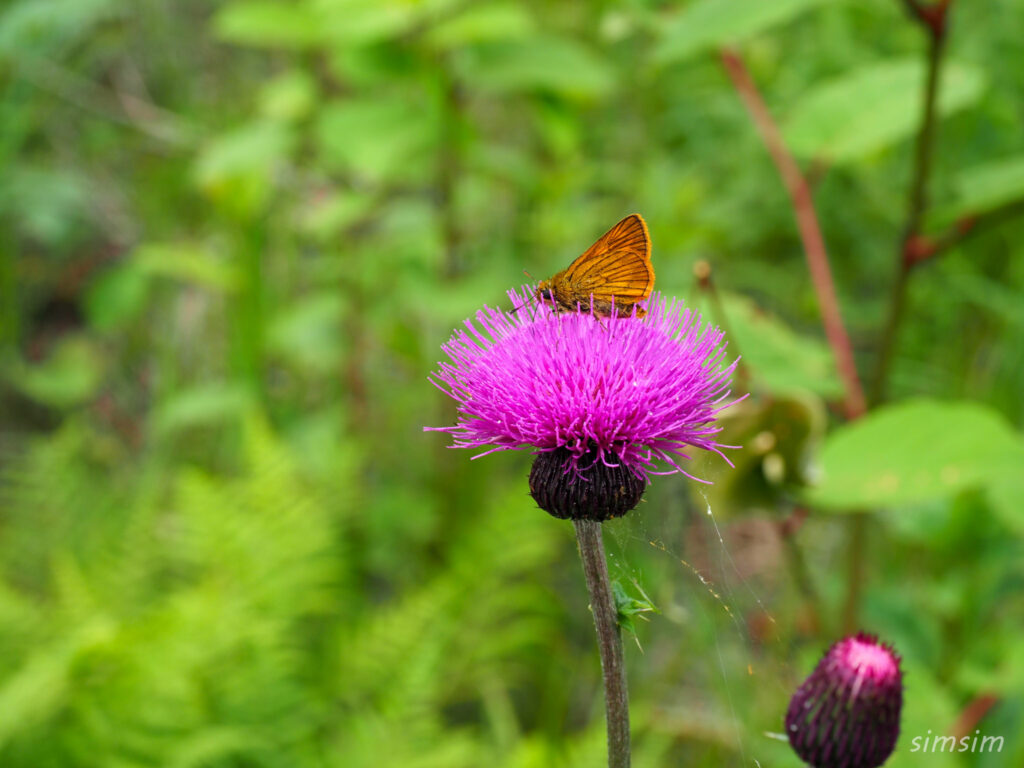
(847, 713)
(597, 492)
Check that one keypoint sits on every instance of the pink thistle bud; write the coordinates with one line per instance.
(847, 713)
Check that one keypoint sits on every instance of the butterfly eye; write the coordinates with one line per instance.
(546, 295)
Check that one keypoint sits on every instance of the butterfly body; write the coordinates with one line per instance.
(609, 277)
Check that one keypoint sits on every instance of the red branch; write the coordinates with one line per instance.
(972, 714)
(932, 15)
(810, 231)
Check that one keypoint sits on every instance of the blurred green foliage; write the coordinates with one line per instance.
(232, 238)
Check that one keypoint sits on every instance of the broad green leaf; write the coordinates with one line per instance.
(316, 23)
(712, 23)
(202, 405)
(1006, 495)
(483, 23)
(913, 452)
(986, 187)
(549, 63)
(236, 169)
(251, 148)
(289, 96)
(327, 215)
(309, 332)
(47, 204)
(359, 22)
(41, 27)
(780, 359)
(186, 262)
(117, 297)
(873, 107)
(270, 24)
(377, 137)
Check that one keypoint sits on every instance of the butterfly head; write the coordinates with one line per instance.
(544, 291)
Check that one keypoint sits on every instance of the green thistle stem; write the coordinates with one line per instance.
(609, 641)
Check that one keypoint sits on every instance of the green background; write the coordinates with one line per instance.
(232, 239)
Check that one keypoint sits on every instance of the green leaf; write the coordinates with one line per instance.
(914, 452)
(309, 333)
(236, 169)
(117, 297)
(377, 137)
(289, 96)
(202, 405)
(1006, 496)
(628, 608)
(49, 205)
(480, 24)
(555, 64)
(780, 359)
(712, 23)
(186, 262)
(985, 188)
(254, 147)
(359, 22)
(270, 24)
(327, 215)
(45, 27)
(316, 23)
(872, 107)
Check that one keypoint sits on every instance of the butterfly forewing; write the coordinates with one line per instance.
(619, 263)
(611, 276)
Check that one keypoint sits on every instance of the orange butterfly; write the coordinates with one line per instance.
(617, 266)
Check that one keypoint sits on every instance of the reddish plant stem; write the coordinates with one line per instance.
(810, 231)
(821, 275)
(933, 19)
(932, 15)
(923, 247)
(972, 714)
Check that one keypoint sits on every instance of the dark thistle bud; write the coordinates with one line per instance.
(847, 713)
(596, 491)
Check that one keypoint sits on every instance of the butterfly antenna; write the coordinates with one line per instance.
(530, 299)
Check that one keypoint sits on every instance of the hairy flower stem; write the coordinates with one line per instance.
(609, 640)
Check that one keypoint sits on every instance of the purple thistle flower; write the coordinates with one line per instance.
(629, 395)
(847, 713)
